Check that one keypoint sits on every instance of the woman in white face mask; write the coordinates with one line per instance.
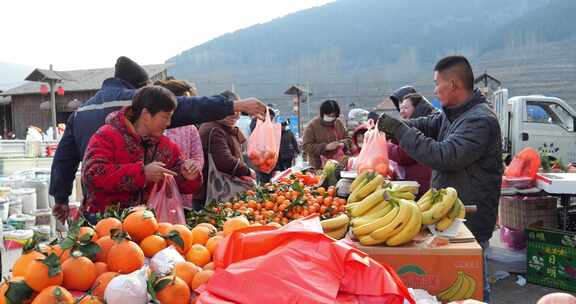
(325, 136)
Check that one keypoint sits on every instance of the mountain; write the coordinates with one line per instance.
(11, 74)
(358, 51)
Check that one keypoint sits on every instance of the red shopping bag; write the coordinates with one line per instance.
(374, 154)
(297, 264)
(525, 164)
(264, 144)
(167, 202)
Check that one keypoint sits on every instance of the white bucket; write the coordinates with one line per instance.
(15, 206)
(42, 232)
(28, 198)
(4, 209)
(22, 221)
(41, 186)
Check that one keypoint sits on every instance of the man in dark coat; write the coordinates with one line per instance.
(116, 93)
(462, 144)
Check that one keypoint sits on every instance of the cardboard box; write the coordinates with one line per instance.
(552, 258)
(519, 211)
(434, 269)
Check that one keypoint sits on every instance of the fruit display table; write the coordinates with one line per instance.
(455, 269)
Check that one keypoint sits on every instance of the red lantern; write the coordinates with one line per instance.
(43, 89)
(60, 91)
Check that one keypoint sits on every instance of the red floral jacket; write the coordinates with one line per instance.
(113, 165)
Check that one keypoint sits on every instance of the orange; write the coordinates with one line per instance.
(125, 257)
(90, 299)
(5, 285)
(54, 295)
(213, 243)
(65, 255)
(152, 244)
(198, 255)
(104, 226)
(88, 230)
(201, 278)
(235, 223)
(140, 224)
(211, 227)
(47, 250)
(22, 263)
(79, 273)
(186, 236)
(164, 228)
(201, 235)
(102, 282)
(37, 276)
(105, 244)
(186, 271)
(209, 266)
(101, 268)
(176, 292)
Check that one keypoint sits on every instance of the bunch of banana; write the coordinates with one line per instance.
(336, 227)
(364, 185)
(406, 192)
(401, 223)
(441, 207)
(462, 288)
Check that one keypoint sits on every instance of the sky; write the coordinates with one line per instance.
(73, 34)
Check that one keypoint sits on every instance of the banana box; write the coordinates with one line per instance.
(452, 272)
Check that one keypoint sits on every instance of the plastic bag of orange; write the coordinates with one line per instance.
(167, 202)
(264, 144)
(524, 164)
(297, 264)
(374, 154)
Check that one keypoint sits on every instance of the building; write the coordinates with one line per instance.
(26, 105)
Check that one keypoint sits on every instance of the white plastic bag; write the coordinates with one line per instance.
(163, 262)
(128, 288)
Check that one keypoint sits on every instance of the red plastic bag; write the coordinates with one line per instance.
(264, 144)
(297, 264)
(374, 153)
(525, 164)
(167, 202)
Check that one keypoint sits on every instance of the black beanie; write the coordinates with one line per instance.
(130, 71)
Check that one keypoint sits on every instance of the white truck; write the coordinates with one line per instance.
(544, 123)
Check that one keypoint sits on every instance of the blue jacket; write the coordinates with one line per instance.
(115, 94)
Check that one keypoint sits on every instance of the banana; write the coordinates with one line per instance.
(353, 198)
(367, 203)
(427, 217)
(462, 213)
(335, 222)
(404, 213)
(455, 209)
(471, 287)
(449, 293)
(444, 223)
(411, 229)
(338, 233)
(442, 208)
(370, 187)
(464, 289)
(367, 240)
(402, 195)
(425, 202)
(405, 188)
(371, 215)
(377, 223)
(358, 180)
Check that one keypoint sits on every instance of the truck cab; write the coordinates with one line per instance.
(544, 123)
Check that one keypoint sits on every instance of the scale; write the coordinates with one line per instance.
(559, 184)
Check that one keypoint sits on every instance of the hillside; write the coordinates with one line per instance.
(359, 51)
(11, 75)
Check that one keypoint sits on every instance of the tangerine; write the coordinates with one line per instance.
(140, 224)
(186, 271)
(213, 242)
(105, 244)
(164, 228)
(198, 255)
(152, 244)
(201, 278)
(42, 273)
(79, 273)
(235, 223)
(101, 268)
(125, 257)
(175, 292)
(87, 230)
(201, 235)
(22, 263)
(104, 226)
(54, 295)
(102, 282)
(186, 236)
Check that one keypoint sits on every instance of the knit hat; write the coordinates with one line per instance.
(130, 71)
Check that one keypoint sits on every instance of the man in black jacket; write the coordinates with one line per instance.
(117, 92)
(462, 144)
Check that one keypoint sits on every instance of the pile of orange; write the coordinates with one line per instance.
(48, 273)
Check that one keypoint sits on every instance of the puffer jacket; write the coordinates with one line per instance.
(113, 165)
(318, 134)
(463, 146)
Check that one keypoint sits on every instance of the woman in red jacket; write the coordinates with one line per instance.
(412, 106)
(127, 155)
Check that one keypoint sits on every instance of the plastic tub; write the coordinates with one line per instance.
(15, 207)
(42, 232)
(43, 216)
(28, 198)
(4, 208)
(22, 221)
(41, 186)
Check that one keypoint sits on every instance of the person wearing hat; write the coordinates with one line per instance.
(117, 92)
